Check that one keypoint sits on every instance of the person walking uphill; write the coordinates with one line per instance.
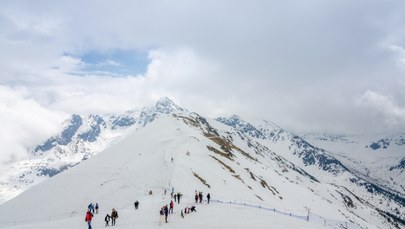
(91, 208)
(114, 216)
(208, 198)
(136, 204)
(166, 211)
(179, 195)
(107, 220)
(88, 218)
(96, 208)
(171, 207)
(200, 197)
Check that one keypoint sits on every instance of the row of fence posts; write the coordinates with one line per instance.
(274, 210)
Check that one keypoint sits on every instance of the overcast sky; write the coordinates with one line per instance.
(334, 66)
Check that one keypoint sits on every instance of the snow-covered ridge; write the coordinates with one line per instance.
(213, 157)
(252, 154)
(80, 138)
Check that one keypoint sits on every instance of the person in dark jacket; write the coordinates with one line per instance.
(208, 198)
(88, 218)
(179, 195)
(136, 204)
(114, 216)
(166, 211)
(96, 208)
(91, 208)
(107, 220)
(196, 197)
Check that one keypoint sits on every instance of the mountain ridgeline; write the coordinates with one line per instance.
(257, 157)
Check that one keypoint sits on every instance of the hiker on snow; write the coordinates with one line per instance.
(91, 207)
(136, 204)
(107, 220)
(178, 197)
(200, 197)
(88, 218)
(171, 207)
(114, 216)
(96, 208)
(208, 198)
(166, 210)
(196, 197)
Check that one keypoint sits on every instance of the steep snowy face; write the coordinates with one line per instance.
(316, 160)
(71, 127)
(277, 139)
(212, 157)
(80, 138)
(400, 167)
(374, 157)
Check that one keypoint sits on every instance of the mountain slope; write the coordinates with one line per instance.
(81, 137)
(208, 156)
(380, 158)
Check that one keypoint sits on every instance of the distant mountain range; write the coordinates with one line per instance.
(362, 177)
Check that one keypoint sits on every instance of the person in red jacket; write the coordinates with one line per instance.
(88, 218)
(171, 207)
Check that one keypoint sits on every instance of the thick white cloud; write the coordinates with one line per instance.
(394, 114)
(25, 123)
(301, 64)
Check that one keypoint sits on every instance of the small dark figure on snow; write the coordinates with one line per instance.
(196, 197)
(114, 216)
(175, 197)
(208, 198)
(178, 197)
(96, 208)
(88, 218)
(182, 215)
(171, 207)
(166, 211)
(192, 209)
(107, 220)
(136, 204)
(200, 197)
(91, 207)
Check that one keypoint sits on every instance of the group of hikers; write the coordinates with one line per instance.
(198, 197)
(176, 196)
(90, 214)
(164, 210)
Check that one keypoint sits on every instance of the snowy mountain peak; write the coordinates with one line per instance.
(236, 122)
(165, 105)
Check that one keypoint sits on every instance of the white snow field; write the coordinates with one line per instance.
(213, 215)
(126, 171)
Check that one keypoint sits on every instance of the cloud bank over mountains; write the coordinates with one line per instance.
(313, 66)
